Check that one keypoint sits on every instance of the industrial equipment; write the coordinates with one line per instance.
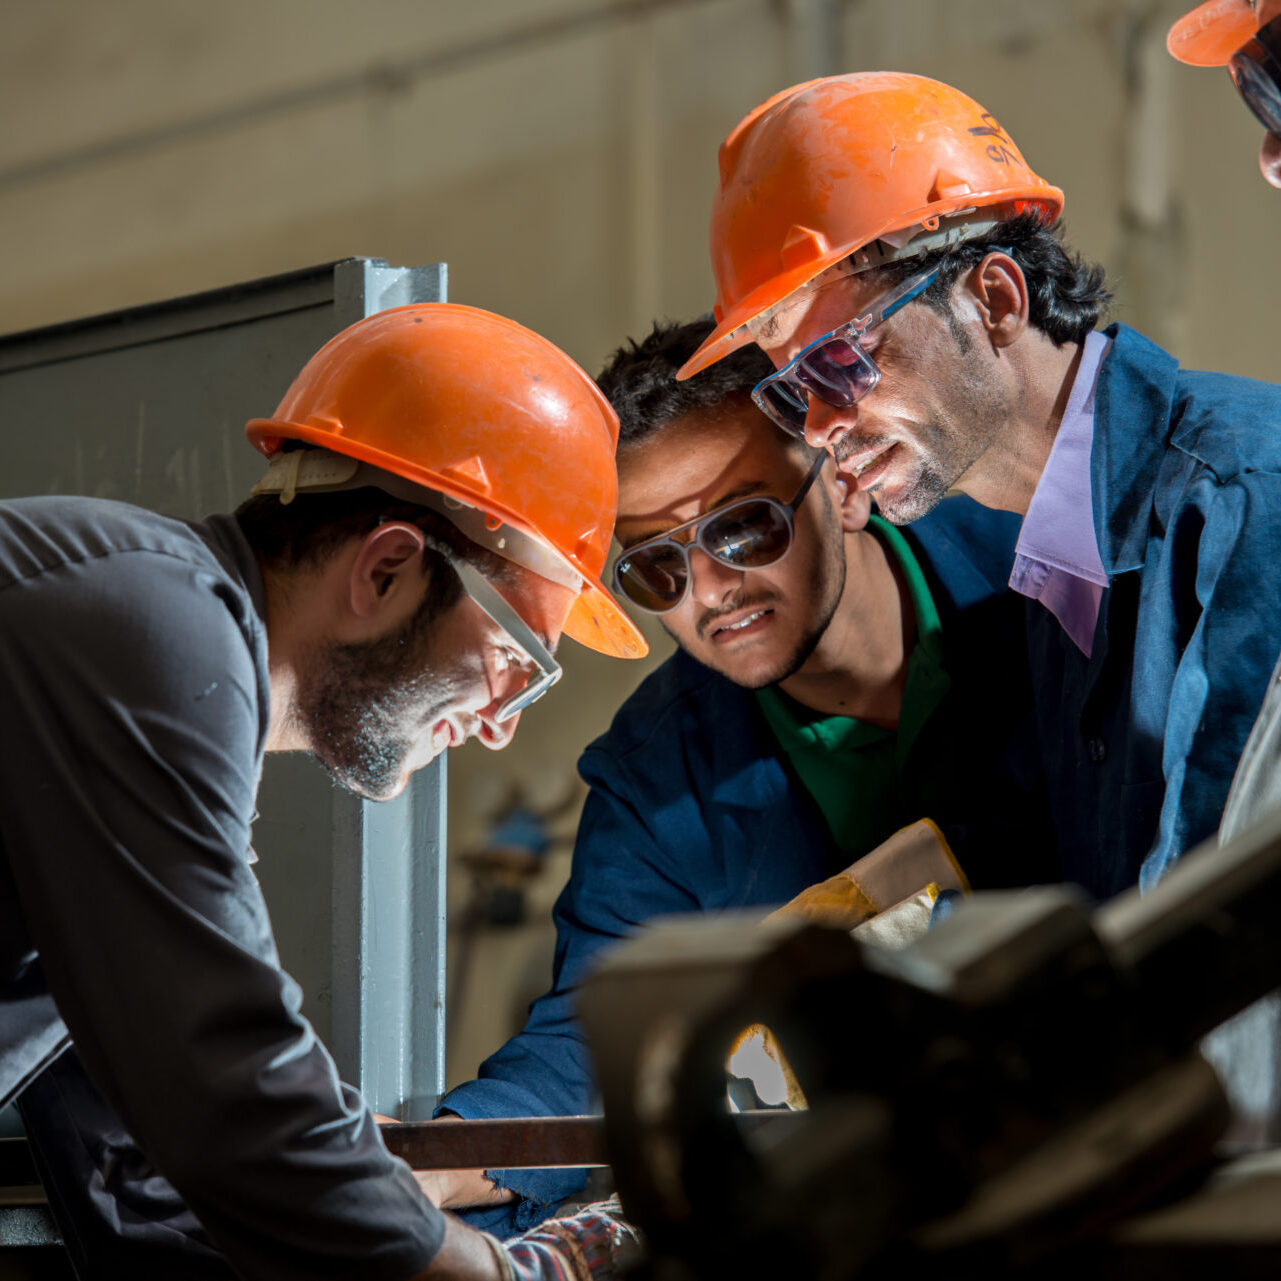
(1002, 1098)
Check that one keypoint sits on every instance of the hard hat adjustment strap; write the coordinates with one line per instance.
(921, 238)
(311, 469)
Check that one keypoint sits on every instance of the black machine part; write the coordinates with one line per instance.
(1010, 1086)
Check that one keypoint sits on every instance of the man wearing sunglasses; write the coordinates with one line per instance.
(882, 239)
(836, 679)
(397, 584)
(1245, 37)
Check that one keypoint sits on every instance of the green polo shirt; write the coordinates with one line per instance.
(853, 770)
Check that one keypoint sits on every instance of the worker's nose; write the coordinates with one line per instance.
(493, 733)
(825, 424)
(1270, 159)
(711, 581)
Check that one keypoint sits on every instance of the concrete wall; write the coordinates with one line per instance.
(560, 155)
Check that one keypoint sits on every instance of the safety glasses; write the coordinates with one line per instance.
(835, 368)
(503, 615)
(749, 533)
(1255, 69)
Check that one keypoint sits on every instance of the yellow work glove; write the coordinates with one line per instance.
(898, 869)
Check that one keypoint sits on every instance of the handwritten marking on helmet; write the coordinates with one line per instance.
(1003, 151)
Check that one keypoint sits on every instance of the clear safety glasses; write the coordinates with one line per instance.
(1255, 69)
(748, 533)
(503, 615)
(835, 368)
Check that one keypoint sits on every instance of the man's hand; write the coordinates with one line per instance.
(899, 868)
(457, 1189)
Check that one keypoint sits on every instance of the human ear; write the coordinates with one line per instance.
(999, 297)
(853, 503)
(386, 568)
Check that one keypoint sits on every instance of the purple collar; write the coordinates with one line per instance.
(1057, 559)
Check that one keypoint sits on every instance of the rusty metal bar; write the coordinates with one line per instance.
(533, 1141)
(530, 1142)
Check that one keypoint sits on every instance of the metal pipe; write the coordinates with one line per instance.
(529, 1142)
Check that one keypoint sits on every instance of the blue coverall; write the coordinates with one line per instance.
(693, 807)
(1140, 740)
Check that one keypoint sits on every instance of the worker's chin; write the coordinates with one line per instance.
(372, 777)
(756, 667)
(386, 792)
(903, 501)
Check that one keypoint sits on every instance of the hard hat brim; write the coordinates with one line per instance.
(1210, 34)
(597, 621)
(730, 334)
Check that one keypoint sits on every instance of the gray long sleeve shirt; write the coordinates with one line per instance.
(134, 707)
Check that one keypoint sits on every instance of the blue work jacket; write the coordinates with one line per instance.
(694, 807)
(1140, 740)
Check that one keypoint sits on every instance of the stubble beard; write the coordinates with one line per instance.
(949, 448)
(925, 488)
(829, 587)
(361, 706)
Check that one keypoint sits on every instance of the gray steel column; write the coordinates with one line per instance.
(388, 1030)
(148, 405)
(389, 912)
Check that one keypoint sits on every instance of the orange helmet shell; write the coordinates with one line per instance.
(826, 167)
(1210, 34)
(479, 408)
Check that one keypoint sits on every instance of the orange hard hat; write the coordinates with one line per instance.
(1210, 34)
(488, 414)
(828, 167)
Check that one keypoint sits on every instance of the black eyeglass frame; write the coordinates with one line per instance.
(1255, 69)
(787, 510)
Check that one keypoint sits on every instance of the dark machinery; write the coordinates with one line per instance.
(1018, 1093)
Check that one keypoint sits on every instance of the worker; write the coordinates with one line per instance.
(881, 237)
(836, 679)
(397, 585)
(1246, 1052)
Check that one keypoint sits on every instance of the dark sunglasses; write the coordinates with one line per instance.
(1255, 69)
(749, 533)
(834, 368)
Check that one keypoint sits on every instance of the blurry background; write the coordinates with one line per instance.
(560, 156)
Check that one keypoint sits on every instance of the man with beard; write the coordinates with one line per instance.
(397, 586)
(882, 239)
(836, 680)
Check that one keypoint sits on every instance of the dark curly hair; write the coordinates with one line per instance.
(1066, 294)
(639, 379)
